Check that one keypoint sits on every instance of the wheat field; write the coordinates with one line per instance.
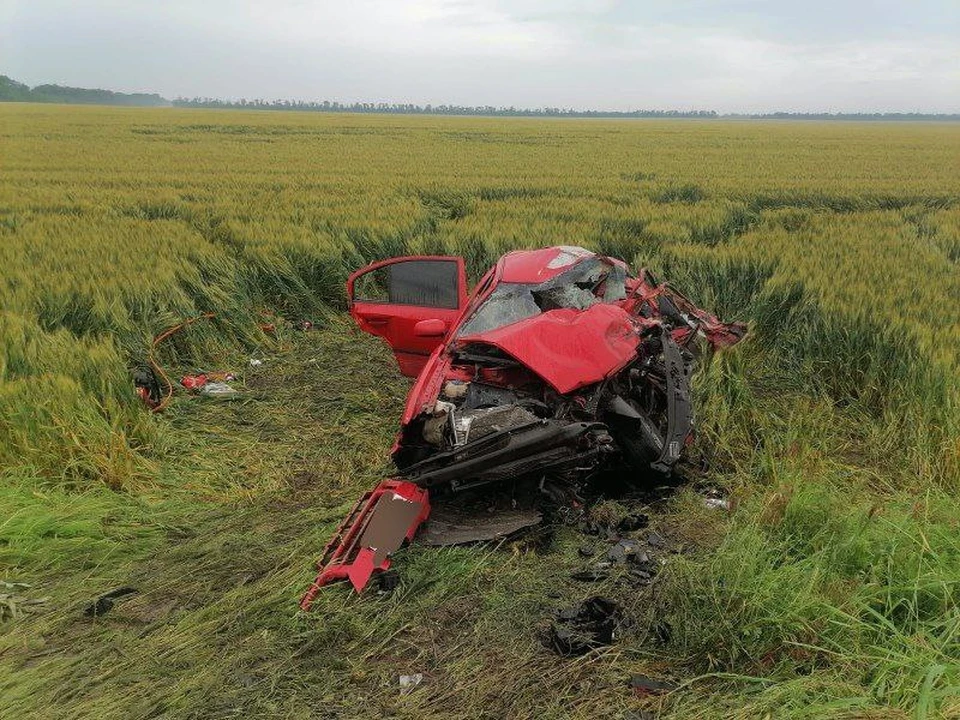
(832, 590)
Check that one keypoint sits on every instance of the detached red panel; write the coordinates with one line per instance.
(382, 521)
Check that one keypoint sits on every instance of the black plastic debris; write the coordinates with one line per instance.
(105, 602)
(627, 551)
(591, 527)
(388, 581)
(147, 386)
(627, 557)
(579, 629)
(636, 521)
(641, 568)
(591, 574)
(645, 686)
(656, 540)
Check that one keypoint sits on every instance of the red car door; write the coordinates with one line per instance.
(411, 302)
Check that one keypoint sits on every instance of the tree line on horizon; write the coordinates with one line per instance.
(14, 91)
(414, 109)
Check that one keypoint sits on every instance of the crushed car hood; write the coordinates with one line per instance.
(569, 349)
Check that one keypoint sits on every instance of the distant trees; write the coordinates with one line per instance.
(491, 110)
(412, 109)
(13, 91)
(848, 116)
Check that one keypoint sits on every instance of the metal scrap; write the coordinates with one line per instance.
(584, 627)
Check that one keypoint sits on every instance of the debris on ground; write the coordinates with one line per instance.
(147, 378)
(562, 373)
(577, 630)
(218, 389)
(656, 540)
(626, 556)
(639, 715)
(626, 551)
(591, 574)
(478, 517)
(147, 386)
(378, 525)
(717, 503)
(456, 529)
(636, 521)
(409, 682)
(211, 384)
(13, 604)
(715, 498)
(153, 397)
(194, 382)
(387, 582)
(644, 686)
(105, 602)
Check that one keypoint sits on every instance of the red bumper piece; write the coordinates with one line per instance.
(381, 521)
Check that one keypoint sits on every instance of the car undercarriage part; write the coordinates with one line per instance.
(649, 410)
(458, 524)
(678, 371)
(379, 524)
(538, 447)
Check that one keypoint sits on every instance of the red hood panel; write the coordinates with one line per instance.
(569, 349)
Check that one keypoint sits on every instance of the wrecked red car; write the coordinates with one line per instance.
(561, 365)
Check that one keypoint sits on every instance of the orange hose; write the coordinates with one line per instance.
(155, 366)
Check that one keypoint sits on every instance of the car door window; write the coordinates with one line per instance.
(428, 283)
(373, 286)
(424, 283)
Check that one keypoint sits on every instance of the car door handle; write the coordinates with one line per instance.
(378, 321)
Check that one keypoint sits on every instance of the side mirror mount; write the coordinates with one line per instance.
(434, 327)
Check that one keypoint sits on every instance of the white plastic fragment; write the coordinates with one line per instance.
(218, 389)
(409, 682)
(255, 362)
(717, 503)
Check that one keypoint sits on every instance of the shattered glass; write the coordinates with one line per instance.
(587, 283)
(509, 303)
(568, 255)
(566, 296)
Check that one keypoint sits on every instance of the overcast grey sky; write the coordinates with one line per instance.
(739, 55)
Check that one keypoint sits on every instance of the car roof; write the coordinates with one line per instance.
(537, 266)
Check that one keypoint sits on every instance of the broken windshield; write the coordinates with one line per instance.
(588, 282)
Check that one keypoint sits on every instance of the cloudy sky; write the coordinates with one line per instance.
(731, 56)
